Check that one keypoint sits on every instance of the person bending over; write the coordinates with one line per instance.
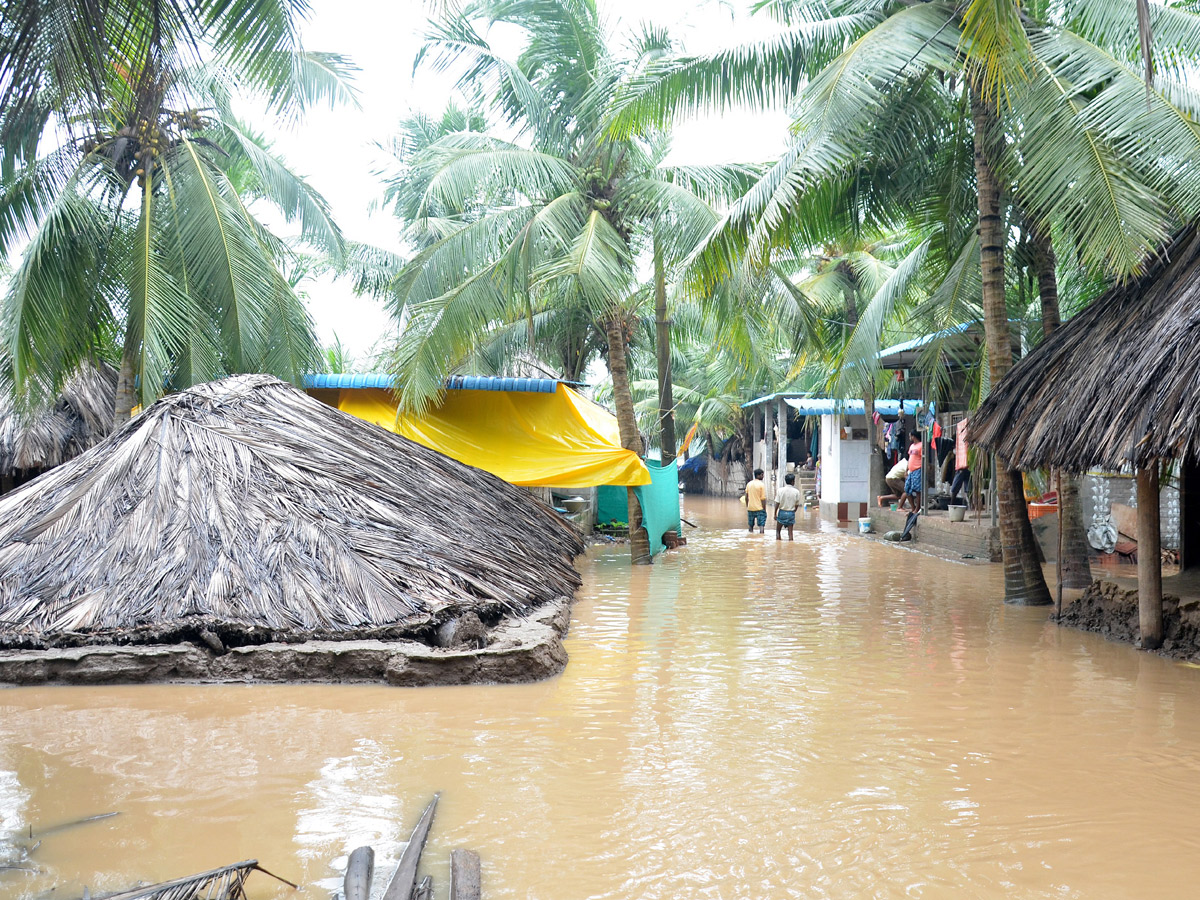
(786, 502)
(895, 482)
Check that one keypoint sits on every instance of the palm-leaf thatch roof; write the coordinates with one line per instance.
(1119, 383)
(81, 417)
(250, 509)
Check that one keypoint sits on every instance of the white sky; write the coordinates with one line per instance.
(336, 149)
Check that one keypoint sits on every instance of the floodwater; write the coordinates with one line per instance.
(745, 719)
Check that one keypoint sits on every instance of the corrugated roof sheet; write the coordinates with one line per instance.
(925, 340)
(453, 383)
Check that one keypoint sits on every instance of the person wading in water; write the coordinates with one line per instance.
(786, 502)
(756, 502)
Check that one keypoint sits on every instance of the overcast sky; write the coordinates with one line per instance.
(336, 149)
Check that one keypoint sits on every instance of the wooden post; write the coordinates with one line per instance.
(757, 431)
(768, 446)
(781, 414)
(1058, 557)
(465, 883)
(360, 869)
(1150, 607)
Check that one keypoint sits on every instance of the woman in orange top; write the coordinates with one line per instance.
(962, 470)
(913, 483)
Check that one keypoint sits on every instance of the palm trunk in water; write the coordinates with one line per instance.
(666, 400)
(1076, 570)
(631, 438)
(1024, 582)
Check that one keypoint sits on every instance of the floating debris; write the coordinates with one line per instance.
(225, 883)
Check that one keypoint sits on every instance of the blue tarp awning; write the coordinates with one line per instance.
(824, 406)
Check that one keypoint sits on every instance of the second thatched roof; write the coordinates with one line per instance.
(249, 509)
(81, 417)
(1119, 383)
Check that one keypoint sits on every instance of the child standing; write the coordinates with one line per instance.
(756, 502)
(786, 502)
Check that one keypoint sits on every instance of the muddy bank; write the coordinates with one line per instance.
(1109, 609)
(520, 648)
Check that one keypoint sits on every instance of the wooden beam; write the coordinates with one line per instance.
(465, 883)
(404, 879)
(1150, 606)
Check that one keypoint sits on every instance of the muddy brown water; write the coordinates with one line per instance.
(745, 719)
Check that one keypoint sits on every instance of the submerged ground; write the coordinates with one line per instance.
(745, 719)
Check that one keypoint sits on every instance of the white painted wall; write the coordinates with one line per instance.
(845, 465)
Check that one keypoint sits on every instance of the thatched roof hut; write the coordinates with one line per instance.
(1119, 383)
(247, 509)
(80, 418)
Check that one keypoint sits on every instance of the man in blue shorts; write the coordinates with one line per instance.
(756, 502)
(786, 502)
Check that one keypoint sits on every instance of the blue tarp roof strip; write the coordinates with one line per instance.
(453, 383)
(824, 406)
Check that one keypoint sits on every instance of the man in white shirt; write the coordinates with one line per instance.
(786, 502)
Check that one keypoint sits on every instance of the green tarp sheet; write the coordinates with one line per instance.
(659, 500)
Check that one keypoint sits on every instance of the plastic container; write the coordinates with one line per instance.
(894, 507)
(864, 526)
(1037, 510)
(958, 513)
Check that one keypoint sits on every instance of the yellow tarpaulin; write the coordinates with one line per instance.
(560, 439)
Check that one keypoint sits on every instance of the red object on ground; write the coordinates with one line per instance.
(1037, 510)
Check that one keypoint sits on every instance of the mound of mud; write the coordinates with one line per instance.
(1109, 609)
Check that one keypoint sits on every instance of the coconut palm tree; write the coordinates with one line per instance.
(549, 219)
(1060, 117)
(131, 183)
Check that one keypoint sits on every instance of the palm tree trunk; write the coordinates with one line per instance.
(127, 395)
(1024, 582)
(631, 438)
(662, 325)
(1076, 570)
